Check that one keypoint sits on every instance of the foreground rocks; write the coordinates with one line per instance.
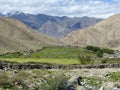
(75, 79)
(94, 79)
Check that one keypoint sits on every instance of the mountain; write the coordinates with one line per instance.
(104, 34)
(53, 25)
(1, 14)
(15, 36)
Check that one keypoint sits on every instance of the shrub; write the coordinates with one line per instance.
(4, 80)
(20, 80)
(93, 48)
(57, 83)
(109, 51)
(104, 61)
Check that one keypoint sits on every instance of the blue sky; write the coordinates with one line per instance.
(71, 8)
(108, 0)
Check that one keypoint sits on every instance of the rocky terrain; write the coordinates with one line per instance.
(54, 26)
(54, 79)
(100, 78)
(103, 34)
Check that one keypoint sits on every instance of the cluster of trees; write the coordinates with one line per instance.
(99, 50)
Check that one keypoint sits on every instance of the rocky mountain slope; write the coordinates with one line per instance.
(53, 25)
(15, 36)
(104, 34)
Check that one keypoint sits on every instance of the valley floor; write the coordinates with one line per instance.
(59, 68)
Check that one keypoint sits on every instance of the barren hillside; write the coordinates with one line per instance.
(15, 36)
(103, 34)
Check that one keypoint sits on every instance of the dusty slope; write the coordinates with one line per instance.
(15, 36)
(103, 34)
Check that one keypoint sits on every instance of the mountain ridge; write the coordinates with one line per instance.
(54, 26)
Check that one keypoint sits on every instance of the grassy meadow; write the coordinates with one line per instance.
(53, 55)
(57, 55)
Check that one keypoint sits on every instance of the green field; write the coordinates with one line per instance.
(57, 55)
(39, 60)
(53, 55)
(52, 52)
(61, 52)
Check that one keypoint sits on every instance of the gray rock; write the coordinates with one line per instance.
(15, 71)
(107, 74)
(85, 88)
(101, 88)
(95, 88)
(115, 88)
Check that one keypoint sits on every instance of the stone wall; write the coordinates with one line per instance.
(9, 65)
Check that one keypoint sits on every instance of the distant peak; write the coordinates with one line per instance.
(1, 14)
(14, 13)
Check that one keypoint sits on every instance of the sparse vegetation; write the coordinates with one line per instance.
(4, 82)
(54, 79)
(11, 55)
(13, 81)
(94, 81)
(115, 76)
(56, 83)
(110, 61)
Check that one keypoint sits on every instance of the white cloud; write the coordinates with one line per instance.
(72, 8)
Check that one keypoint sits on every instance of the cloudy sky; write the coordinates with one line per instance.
(71, 8)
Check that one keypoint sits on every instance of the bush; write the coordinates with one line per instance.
(93, 48)
(4, 80)
(109, 51)
(14, 81)
(11, 82)
(57, 83)
(103, 61)
(19, 79)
